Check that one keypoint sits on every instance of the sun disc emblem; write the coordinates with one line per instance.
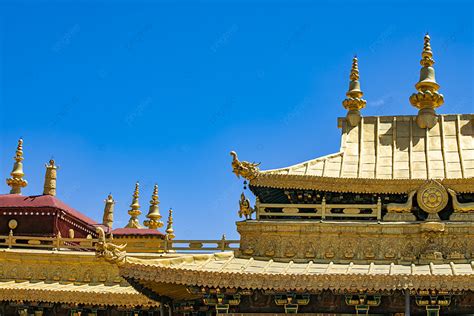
(432, 197)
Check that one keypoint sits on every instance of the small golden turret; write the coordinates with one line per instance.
(169, 228)
(16, 182)
(50, 179)
(154, 215)
(108, 218)
(134, 211)
(354, 102)
(427, 99)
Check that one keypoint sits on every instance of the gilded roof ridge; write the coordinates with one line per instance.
(339, 153)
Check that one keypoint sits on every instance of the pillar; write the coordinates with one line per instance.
(407, 303)
(432, 310)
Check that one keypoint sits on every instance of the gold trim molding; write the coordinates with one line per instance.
(303, 282)
(355, 185)
(58, 295)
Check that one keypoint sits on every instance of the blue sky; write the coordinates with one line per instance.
(162, 91)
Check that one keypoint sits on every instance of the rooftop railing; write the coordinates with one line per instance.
(320, 211)
(59, 243)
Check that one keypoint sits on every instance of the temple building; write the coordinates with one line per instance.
(47, 252)
(384, 226)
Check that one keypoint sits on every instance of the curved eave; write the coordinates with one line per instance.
(226, 271)
(104, 295)
(354, 185)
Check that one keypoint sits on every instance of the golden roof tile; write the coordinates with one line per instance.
(202, 270)
(100, 294)
(394, 147)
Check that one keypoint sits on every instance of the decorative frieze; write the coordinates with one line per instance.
(358, 242)
(77, 269)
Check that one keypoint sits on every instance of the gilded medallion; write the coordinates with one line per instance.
(432, 197)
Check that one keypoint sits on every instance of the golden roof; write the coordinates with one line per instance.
(395, 147)
(225, 270)
(56, 292)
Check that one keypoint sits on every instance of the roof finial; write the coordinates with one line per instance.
(354, 76)
(169, 227)
(427, 55)
(108, 218)
(50, 177)
(354, 102)
(154, 215)
(427, 99)
(16, 182)
(134, 211)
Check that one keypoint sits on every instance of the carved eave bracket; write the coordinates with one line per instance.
(244, 169)
(462, 211)
(401, 211)
(112, 253)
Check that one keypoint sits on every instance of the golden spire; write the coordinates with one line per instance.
(169, 228)
(354, 102)
(134, 211)
(427, 99)
(16, 182)
(108, 218)
(50, 179)
(154, 215)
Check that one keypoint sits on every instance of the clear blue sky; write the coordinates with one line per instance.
(162, 91)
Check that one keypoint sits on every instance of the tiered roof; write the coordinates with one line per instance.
(295, 247)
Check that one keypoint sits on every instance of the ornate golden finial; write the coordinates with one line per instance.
(134, 211)
(244, 207)
(154, 215)
(16, 182)
(427, 99)
(50, 179)
(169, 227)
(354, 102)
(108, 218)
(248, 170)
(427, 55)
(354, 76)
